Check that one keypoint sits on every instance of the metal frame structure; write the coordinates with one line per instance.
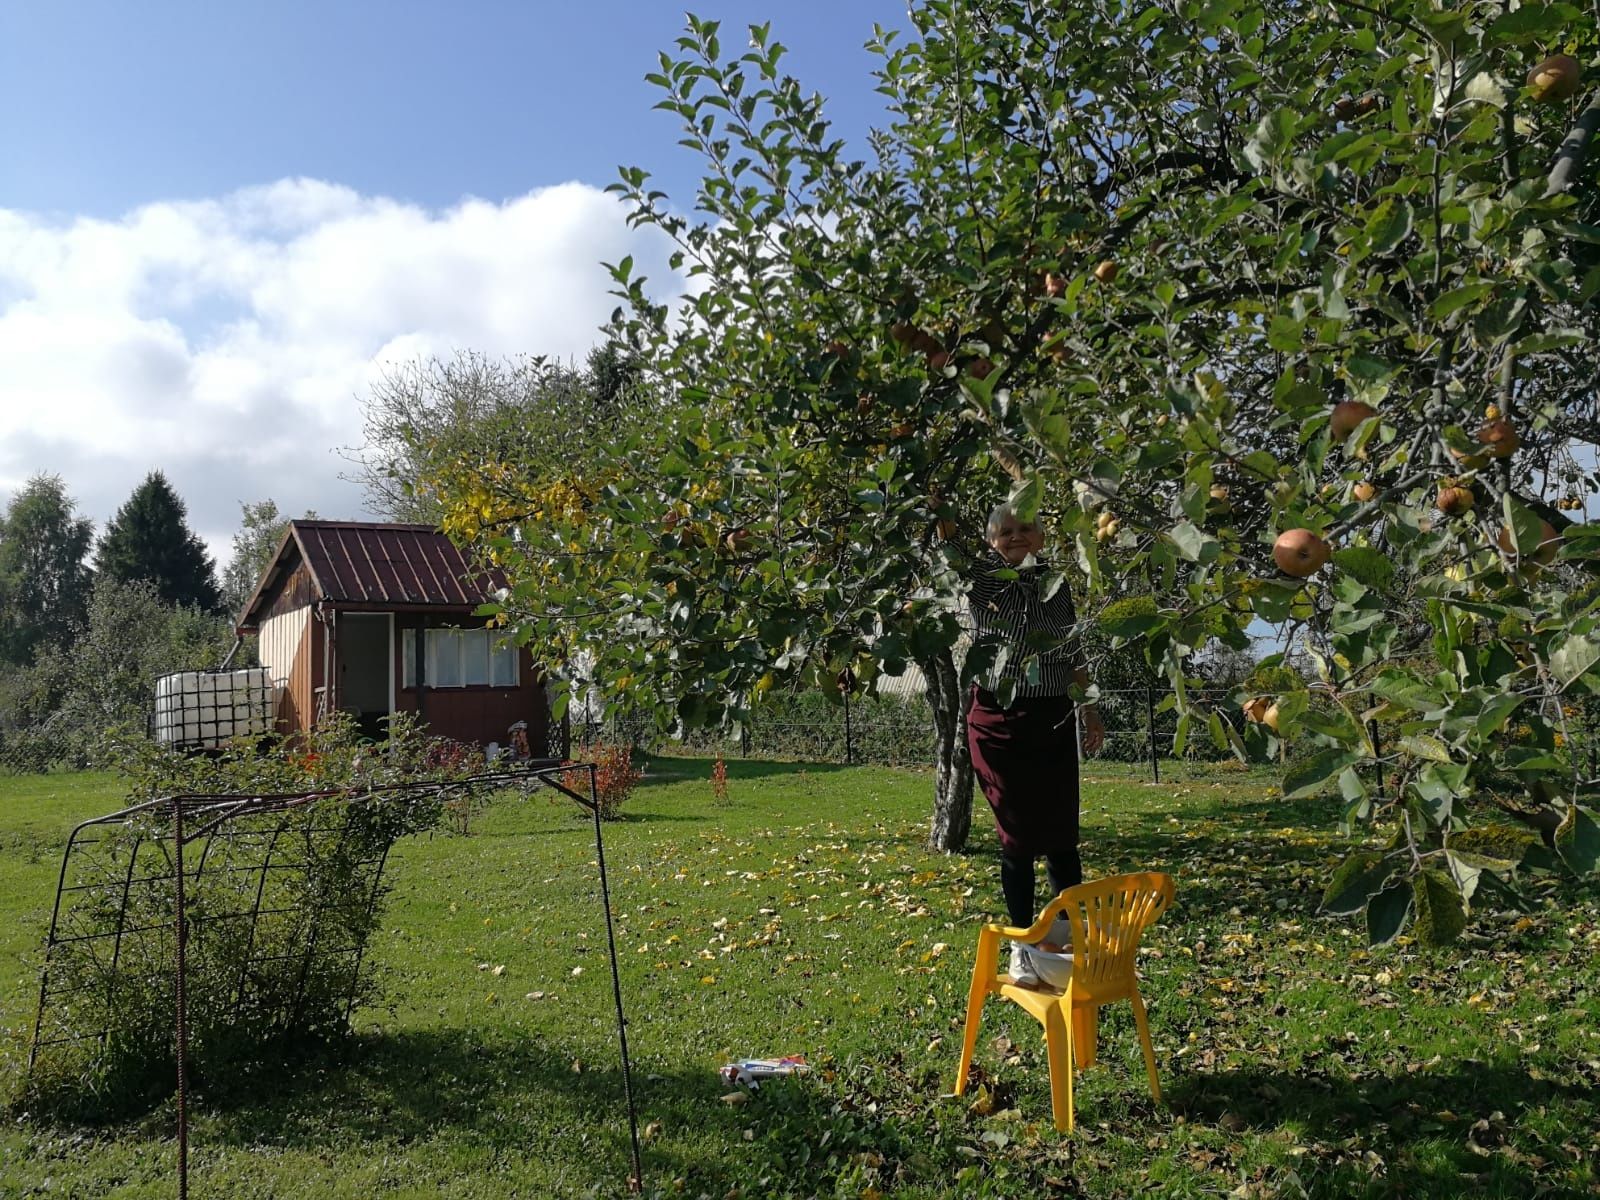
(167, 827)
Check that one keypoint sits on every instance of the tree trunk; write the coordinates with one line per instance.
(952, 777)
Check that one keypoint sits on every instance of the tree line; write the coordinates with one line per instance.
(88, 623)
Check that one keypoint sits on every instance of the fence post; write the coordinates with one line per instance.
(849, 750)
(1150, 713)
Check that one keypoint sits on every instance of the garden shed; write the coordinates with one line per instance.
(376, 618)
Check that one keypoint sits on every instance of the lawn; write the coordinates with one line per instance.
(804, 915)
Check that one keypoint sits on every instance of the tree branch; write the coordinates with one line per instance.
(1574, 148)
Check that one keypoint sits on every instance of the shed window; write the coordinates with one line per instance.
(460, 658)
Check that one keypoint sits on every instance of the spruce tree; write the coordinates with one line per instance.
(150, 539)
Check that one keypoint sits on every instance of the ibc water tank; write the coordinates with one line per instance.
(209, 708)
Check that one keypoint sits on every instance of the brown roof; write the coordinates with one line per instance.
(378, 563)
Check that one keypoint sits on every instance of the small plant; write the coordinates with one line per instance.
(719, 780)
(615, 775)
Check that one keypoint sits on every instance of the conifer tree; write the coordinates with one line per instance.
(149, 538)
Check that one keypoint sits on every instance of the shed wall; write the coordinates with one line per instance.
(286, 650)
(476, 714)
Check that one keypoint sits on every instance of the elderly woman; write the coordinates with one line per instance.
(1025, 754)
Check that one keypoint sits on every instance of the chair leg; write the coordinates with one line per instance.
(1142, 1024)
(1085, 1034)
(976, 994)
(1058, 1049)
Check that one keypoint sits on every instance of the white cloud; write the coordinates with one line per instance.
(227, 342)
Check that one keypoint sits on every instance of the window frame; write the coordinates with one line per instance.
(463, 636)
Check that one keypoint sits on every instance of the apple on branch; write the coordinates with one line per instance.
(1557, 78)
(1299, 552)
(1347, 417)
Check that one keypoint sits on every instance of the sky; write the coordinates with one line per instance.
(221, 223)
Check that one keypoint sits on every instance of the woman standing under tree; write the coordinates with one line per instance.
(1025, 755)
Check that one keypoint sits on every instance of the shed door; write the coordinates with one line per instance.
(366, 666)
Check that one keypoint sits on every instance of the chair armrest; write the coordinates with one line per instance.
(1032, 933)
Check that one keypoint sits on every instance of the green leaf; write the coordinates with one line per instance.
(1578, 841)
(1311, 775)
(1389, 226)
(1407, 691)
(1335, 723)
(1358, 878)
(1367, 369)
(1422, 745)
(1495, 713)
(1271, 139)
(1441, 910)
(1465, 872)
(1480, 862)
(1386, 913)
(1573, 658)
(1371, 567)
(1460, 297)
(1531, 23)
(1527, 530)
(1024, 499)
(1261, 464)
(1194, 544)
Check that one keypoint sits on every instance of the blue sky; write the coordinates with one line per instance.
(220, 223)
(105, 105)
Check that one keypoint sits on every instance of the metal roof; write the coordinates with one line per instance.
(377, 563)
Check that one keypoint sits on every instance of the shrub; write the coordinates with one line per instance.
(280, 906)
(615, 774)
(719, 780)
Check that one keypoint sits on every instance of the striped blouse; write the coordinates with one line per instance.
(1012, 613)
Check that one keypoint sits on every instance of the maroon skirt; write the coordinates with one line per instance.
(1026, 760)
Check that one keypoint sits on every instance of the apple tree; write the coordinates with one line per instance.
(1278, 312)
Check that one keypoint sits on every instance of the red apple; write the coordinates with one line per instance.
(1299, 552)
(1499, 438)
(1556, 78)
(1347, 417)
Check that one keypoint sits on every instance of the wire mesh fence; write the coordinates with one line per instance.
(898, 730)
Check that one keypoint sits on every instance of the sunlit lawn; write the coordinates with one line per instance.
(804, 916)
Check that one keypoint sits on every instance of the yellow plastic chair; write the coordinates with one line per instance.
(1107, 917)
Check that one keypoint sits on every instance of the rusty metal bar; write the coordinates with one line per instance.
(182, 1047)
(636, 1180)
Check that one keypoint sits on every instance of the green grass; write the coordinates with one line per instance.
(805, 916)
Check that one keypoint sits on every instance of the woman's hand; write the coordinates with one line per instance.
(1094, 730)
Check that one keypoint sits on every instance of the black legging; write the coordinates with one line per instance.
(1064, 869)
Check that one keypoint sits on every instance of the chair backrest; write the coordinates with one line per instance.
(1108, 917)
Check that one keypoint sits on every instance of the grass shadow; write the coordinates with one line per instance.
(1437, 1133)
(507, 1094)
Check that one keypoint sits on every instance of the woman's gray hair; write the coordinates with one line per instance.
(998, 517)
